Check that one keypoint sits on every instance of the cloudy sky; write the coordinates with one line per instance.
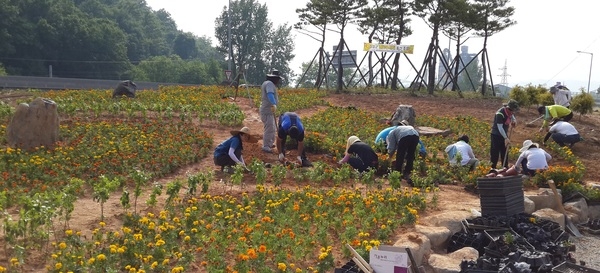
(540, 49)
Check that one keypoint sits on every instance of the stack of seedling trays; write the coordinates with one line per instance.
(501, 196)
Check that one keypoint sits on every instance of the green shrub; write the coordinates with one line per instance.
(2, 70)
(534, 93)
(546, 98)
(518, 93)
(583, 103)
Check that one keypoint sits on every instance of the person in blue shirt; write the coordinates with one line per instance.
(384, 133)
(291, 125)
(229, 152)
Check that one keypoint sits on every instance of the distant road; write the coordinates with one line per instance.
(24, 82)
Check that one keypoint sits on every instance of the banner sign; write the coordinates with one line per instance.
(383, 261)
(407, 49)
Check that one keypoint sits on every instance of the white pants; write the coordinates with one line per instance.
(269, 129)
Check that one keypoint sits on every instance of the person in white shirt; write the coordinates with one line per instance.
(563, 133)
(561, 95)
(463, 150)
(531, 161)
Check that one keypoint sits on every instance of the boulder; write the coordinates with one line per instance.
(33, 125)
(403, 112)
(125, 88)
(419, 245)
(450, 263)
(452, 220)
(438, 236)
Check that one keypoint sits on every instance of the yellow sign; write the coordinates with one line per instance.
(407, 49)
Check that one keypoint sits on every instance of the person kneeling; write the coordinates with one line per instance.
(463, 150)
(531, 161)
(360, 155)
(229, 152)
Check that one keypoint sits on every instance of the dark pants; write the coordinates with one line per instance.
(225, 160)
(525, 170)
(497, 150)
(567, 117)
(360, 166)
(407, 146)
(562, 139)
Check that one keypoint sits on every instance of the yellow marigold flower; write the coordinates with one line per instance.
(62, 245)
(298, 270)
(154, 265)
(58, 266)
(160, 243)
(282, 266)
(165, 262)
(323, 255)
(178, 269)
(2, 269)
(102, 224)
(187, 238)
(69, 232)
(101, 257)
(91, 261)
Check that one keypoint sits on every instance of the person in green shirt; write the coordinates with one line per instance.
(554, 113)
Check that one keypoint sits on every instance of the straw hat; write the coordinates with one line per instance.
(246, 131)
(526, 144)
(351, 140)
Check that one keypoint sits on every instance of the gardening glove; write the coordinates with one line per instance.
(299, 159)
(281, 157)
(506, 141)
(273, 108)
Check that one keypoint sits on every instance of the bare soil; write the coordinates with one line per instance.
(451, 197)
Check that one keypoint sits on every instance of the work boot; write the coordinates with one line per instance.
(306, 162)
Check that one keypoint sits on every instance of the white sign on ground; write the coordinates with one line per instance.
(407, 49)
(390, 260)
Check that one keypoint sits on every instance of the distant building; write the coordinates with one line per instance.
(465, 57)
(502, 90)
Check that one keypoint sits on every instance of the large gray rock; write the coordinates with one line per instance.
(125, 88)
(33, 125)
(403, 112)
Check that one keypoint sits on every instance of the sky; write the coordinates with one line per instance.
(540, 49)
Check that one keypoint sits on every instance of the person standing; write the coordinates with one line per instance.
(553, 113)
(563, 133)
(359, 155)
(462, 148)
(561, 95)
(229, 152)
(268, 107)
(403, 141)
(291, 125)
(503, 119)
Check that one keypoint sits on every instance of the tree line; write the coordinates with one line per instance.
(126, 39)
